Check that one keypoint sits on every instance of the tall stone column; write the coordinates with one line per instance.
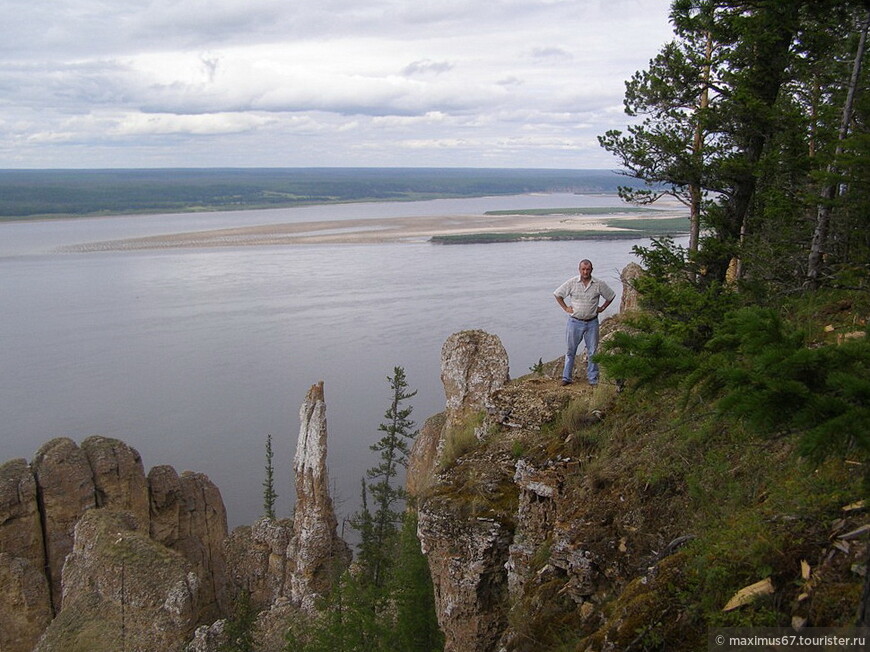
(316, 554)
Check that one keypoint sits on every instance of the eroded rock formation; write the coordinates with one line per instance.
(483, 523)
(630, 300)
(20, 526)
(474, 365)
(118, 476)
(188, 516)
(285, 565)
(66, 491)
(315, 551)
(466, 556)
(93, 551)
(25, 601)
(123, 590)
(55, 562)
(257, 560)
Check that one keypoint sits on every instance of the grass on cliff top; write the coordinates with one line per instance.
(753, 507)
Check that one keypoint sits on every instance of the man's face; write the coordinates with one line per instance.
(585, 271)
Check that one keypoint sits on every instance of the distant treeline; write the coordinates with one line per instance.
(61, 193)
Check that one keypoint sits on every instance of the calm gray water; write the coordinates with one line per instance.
(194, 356)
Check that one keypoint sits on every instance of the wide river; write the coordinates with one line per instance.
(194, 356)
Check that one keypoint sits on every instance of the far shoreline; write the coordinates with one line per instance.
(503, 226)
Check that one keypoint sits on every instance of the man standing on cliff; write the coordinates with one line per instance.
(583, 294)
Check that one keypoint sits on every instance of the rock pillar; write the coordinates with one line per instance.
(316, 554)
(66, 490)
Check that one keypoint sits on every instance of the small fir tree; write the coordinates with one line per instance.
(386, 602)
(377, 554)
(269, 493)
(239, 629)
(416, 626)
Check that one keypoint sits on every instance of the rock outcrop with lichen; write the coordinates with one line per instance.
(60, 568)
(66, 492)
(474, 365)
(283, 566)
(93, 551)
(579, 519)
(123, 590)
(25, 600)
(295, 560)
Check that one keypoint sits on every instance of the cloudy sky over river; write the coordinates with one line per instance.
(202, 83)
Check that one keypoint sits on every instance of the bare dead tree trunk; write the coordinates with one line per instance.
(823, 213)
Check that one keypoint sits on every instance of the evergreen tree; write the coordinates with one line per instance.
(416, 626)
(671, 149)
(386, 601)
(239, 628)
(745, 119)
(377, 553)
(348, 620)
(269, 493)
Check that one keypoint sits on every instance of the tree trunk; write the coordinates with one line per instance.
(697, 151)
(823, 214)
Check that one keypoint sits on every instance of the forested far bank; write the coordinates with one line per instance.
(28, 194)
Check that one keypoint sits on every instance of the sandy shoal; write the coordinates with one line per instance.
(369, 230)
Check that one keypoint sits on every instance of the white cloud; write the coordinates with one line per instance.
(251, 80)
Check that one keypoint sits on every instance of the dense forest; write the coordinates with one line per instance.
(756, 116)
(68, 193)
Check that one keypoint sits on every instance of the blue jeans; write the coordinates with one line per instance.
(575, 331)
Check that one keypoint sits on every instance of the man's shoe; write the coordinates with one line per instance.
(566, 382)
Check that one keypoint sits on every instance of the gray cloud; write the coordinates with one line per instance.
(551, 53)
(426, 67)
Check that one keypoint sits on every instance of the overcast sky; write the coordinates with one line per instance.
(227, 83)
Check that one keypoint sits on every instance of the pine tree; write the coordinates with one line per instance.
(269, 493)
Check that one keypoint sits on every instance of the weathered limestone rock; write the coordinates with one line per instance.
(188, 516)
(20, 526)
(466, 558)
(122, 591)
(66, 489)
(166, 504)
(209, 638)
(203, 531)
(539, 528)
(270, 629)
(256, 558)
(25, 603)
(630, 300)
(315, 551)
(119, 476)
(473, 365)
(424, 455)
